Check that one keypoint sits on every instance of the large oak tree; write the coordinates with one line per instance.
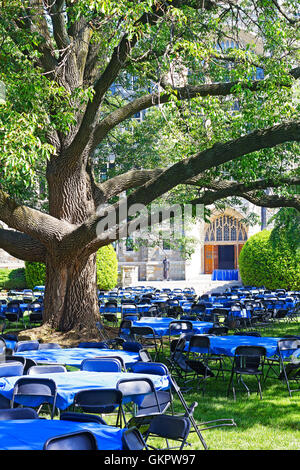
(78, 71)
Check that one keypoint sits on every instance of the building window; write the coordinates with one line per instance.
(225, 228)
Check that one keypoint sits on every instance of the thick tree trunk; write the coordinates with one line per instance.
(71, 294)
(71, 291)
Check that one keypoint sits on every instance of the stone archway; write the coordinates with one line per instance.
(224, 238)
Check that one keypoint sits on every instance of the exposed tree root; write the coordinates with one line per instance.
(46, 334)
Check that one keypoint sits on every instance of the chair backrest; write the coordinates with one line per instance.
(27, 346)
(133, 440)
(151, 312)
(132, 346)
(49, 346)
(101, 364)
(170, 427)
(111, 304)
(144, 355)
(10, 369)
(81, 440)
(47, 369)
(13, 307)
(136, 386)
(201, 342)
(36, 316)
(98, 400)
(93, 344)
(40, 390)
(35, 305)
(177, 346)
(249, 356)
(18, 413)
(81, 417)
(125, 325)
(2, 347)
(154, 368)
(35, 386)
(290, 344)
(179, 325)
(142, 330)
(110, 317)
(218, 330)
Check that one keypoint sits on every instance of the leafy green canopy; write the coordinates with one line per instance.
(263, 264)
(192, 41)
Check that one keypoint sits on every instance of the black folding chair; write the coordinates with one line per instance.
(146, 336)
(284, 365)
(249, 361)
(199, 359)
(180, 327)
(169, 427)
(139, 389)
(148, 405)
(41, 389)
(178, 365)
(99, 401)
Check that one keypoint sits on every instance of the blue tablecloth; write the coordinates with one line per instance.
(225, 275)
(74, 356)
(160, 325)
(69, 383)
(31, 434)
(226, 345)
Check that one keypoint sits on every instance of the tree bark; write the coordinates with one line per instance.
(71, 289)
(71, 294)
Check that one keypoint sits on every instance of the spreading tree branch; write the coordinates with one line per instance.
(22, 246)
(180, 173)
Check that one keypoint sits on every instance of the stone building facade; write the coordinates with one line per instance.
(217, 245)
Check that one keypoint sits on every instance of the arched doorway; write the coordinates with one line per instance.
(224, 238)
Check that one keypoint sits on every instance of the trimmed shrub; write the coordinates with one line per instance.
(35, 274)
(107, 268)
(261, 263)
(12, 278)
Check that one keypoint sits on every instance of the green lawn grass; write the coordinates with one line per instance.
(272, 423)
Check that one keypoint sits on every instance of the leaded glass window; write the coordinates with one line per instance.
(226, 228)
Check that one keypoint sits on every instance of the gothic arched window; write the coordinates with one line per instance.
(226, 228)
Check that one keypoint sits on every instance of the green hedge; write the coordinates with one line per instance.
(12, 278)
(263, 264)
(107, 268)
(35, 274)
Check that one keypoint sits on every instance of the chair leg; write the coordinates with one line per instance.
(259, 386)
(230, 382)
